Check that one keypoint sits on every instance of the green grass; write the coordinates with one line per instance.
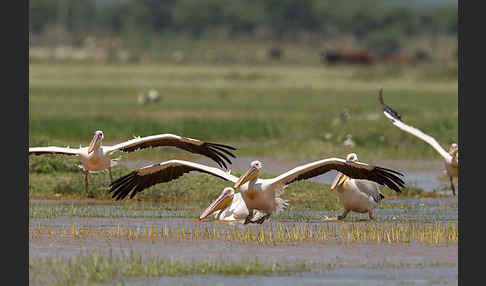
(283, 111)
(93, 269)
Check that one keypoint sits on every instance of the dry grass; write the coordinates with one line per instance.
(428, 233)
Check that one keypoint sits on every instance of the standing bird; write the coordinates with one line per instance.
(451, 158)
(96, 157)
(258, 194)
(356, 195)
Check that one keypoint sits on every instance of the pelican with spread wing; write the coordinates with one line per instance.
(260, 194)
(451, 158)
(356, 195)
(96, 157)
(233, 209)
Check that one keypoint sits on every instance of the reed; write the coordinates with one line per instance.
(438, 234)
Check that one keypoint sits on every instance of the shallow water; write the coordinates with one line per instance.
(353, 263)
(411, 209)
(342, 277)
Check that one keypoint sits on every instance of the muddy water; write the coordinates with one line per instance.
(353, 264)
(405, 210)
(423, 174)
(357, 263)
(342, 277)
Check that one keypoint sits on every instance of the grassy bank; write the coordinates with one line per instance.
(281, 111)
(92, 268)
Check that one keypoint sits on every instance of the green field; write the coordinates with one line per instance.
(286, 112)
(281, 111)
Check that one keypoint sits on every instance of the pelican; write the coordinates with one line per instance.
(451, 158)
(231, 210)
(258, 194)
(236, 210)
(356, 195)
(96, 157)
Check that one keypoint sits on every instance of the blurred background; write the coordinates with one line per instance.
(240, 31)
(288, 79)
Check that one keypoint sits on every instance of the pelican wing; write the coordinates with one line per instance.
(217, 152)
(370, 189)
(353, 169)
(53, 150)
(162, 172)
(396, 120)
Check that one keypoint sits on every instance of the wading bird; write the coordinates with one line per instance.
(257, 194)
(96, 157)
(145, 177)
(236, 210)
(260, 194)
(356, 195)
(451, 158)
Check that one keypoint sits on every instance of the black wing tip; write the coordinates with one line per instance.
(387, 108)
(380, 96)
(389, 170)
(221, 145)
(213, 147)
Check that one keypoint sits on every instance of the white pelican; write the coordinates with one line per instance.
(258, 194)
(145, 177)
(451, 158)
(356, 195)
(96, 157)
(236, 210)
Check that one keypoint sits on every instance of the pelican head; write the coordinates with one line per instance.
(222, 202)
(96, 142)
(341, 178)
(453, 149)
(251, 174)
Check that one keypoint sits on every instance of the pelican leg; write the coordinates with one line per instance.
(86, 181)
(249, 217)
(111, 177)
(218, 214)
(452, 187)
(262, 219)
(345, 213)
(370, 213)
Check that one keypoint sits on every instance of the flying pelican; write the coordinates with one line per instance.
(260, 194)
(451, 158)
(97, 157)
(356, 195)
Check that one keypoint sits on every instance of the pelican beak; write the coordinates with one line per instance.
(340, 178)
(222, 202)
(95, 140)
(454, 152)
(249, 175)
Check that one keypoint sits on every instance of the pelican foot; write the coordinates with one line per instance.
(370, 213)
(247, 220)
(345, 213)
(262, 219)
